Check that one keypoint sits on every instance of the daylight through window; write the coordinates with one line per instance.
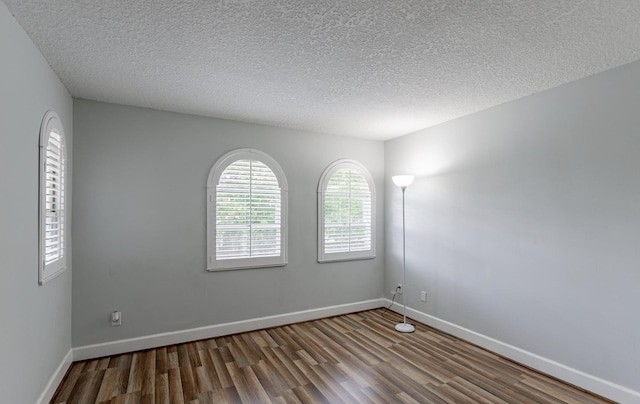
(247, 208)
(52, 233)
(346, 217)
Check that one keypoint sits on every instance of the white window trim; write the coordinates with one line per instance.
(51, 122)
(322, 186)
(218, 168)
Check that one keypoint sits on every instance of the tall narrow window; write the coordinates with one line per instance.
(247, 212)
(53, 228)
(346, 217)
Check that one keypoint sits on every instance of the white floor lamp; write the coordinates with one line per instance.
(403, 181)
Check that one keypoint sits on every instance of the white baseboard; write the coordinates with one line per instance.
(583, 380)
(56, 378)
(194, 334)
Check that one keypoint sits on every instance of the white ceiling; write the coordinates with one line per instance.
(368, 68)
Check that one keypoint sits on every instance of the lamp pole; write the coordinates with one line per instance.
(403, 181)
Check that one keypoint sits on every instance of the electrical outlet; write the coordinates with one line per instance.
(423, 296)
(400, 288)
(116, 318)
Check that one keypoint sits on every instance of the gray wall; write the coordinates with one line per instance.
(524, 223)
(36, 320)
(139, 224)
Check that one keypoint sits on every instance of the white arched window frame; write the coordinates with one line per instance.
(52, 232)
(347, 186)
(243, 241)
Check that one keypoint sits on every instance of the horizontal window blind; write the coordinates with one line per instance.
(248, 211)
(347, 212)
(54, 199)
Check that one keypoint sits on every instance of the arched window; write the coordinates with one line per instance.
(246, 212)
(52, 232)
(346, 213)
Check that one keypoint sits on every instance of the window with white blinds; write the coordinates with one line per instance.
(53, 229)
(247, 212)
(346, 218)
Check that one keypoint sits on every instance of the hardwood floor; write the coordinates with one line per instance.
(354, 358)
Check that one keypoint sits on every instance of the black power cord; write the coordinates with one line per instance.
(393, 299)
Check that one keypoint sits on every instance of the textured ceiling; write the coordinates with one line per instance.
(367, 68)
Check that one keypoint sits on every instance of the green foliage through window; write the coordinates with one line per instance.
(248, 211)
(347, 212)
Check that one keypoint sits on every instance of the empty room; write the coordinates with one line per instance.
(319, 201)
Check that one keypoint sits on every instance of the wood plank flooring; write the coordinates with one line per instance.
(355, 358)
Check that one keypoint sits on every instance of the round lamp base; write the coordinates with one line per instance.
(404, 327)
